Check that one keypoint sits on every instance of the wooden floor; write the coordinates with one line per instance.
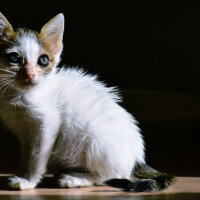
(184, 188)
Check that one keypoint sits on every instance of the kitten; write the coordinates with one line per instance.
(65, 119)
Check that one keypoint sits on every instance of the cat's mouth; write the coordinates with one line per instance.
(25, 83)
(28, 81)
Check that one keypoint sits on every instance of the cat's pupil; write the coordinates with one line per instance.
(14, 58)
(43, 60)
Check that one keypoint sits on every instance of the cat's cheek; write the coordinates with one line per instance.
(18, 183)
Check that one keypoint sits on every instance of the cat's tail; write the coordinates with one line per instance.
(149, 180)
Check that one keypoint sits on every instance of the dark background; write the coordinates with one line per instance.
(151, 50)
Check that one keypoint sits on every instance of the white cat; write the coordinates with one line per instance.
(65, 119)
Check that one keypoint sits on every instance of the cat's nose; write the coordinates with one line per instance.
(30, 74)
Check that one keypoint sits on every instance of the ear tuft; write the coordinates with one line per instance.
(5, 26)
(52, 34)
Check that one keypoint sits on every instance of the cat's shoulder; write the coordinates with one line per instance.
(75, 76)
(75, 73)
(79, 80)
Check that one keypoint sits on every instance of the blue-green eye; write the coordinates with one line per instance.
(43, 60)
(14, 58)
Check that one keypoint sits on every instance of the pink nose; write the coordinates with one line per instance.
(30, 74)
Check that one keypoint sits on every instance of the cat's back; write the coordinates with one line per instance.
(80, 96)
(75, 85)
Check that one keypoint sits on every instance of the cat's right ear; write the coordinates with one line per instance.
(5, 27)
(52, 34)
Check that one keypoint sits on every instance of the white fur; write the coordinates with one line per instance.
(70, 181)
(67, 120)
(21, 183)
(75, 121)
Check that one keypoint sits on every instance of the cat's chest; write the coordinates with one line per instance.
(38, 105)
(23, 111)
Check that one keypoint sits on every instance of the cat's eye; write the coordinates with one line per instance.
(14, 57)
(43, 60)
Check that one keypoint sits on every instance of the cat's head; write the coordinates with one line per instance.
(27, 56)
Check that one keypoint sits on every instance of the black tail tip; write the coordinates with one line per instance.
(161, 182)
(118, 183)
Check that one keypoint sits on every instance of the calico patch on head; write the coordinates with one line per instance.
(27, 56)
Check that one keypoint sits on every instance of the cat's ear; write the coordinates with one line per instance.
(5, 27)
(52, 34)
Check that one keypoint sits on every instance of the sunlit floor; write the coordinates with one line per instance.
(184, 188)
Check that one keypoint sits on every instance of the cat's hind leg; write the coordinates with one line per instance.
(74, 180)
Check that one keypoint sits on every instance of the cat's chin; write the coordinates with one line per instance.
(25, 85)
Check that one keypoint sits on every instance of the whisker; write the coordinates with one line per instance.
(2, 82)
(6, 76)
(6, 87)
(7, 71)
(11, 86)
(5, 82)
(4, 79)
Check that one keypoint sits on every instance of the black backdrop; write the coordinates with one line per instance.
(150, 50)
(154, 44)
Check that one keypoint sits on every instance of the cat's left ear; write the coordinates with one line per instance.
(52, 34)
(5, 27)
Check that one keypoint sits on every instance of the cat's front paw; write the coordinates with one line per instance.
(67, 181)
(18, 183)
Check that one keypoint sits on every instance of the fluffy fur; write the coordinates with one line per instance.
(65, 119)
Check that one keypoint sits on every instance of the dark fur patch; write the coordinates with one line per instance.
(151, 180)
(119, 183)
